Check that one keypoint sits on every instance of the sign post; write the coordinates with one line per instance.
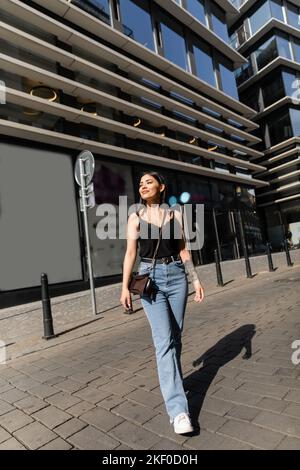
(84, 171)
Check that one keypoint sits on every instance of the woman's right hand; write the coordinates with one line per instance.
(126, 299)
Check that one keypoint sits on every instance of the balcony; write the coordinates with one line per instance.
(239, 37)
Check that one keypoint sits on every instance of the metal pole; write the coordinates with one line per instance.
(87, 236)
(270, 261)
(288, 258)
(47, 315)
(218, 269)
(247, 262)
(216, 232)
(233, 228)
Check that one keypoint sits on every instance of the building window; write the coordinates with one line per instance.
(273, 89)
(244, 72)
(276, 9)
(211, 112)
(260, 17)
(266, 53)
(197, 9)
(219, 24)
(181, 98)
(283, 47)
(272, 48)
(296, 47)
(204, 64)
(294, 15)
(136, 22)
(174, 47)
(289, 79)
(295, 118)
(269, 9)
(228, 81)
(280, 127)
(96, 8)
(213, 129)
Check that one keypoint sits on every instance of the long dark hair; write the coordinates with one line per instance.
(160, 179)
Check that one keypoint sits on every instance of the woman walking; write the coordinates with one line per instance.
(165, 312)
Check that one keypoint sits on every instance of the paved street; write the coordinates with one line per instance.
(99, 389)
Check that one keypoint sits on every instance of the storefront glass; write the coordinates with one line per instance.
(110, 180)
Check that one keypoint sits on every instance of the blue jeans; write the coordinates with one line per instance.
(165, 314)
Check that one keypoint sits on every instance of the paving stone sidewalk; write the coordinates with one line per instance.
(97, 387)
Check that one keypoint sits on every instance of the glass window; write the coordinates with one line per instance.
(293, 15)
(295, 118)
(237, 138)
(174, 46)
(228, 81)
(150, 104)
(283, 47)
(219, 22)
(111, 180)
(211, 112)
(266, 53)
(296, 47)
(204, 65)
(272, 48)
(184, 117)
(244, 72)
(276, 9)
(273, 89)
(136, 23)
(179, 97)
(232, 122)
(280, 127)
(197, 9)
(148, 83)
(289, 80)
(97, 8)
(260, 17)
(213, 129)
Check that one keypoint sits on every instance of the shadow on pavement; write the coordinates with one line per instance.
(224, 351)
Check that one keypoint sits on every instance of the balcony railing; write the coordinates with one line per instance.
(239, 37)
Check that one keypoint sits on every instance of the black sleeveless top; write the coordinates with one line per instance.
(169, 245)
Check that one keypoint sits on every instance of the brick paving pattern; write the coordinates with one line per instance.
(98, 388)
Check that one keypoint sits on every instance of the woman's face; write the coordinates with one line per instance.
(149, 188)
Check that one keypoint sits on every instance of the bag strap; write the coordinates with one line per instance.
(158, 242)
(183, 227)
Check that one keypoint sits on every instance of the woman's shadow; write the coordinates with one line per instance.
(212, 360)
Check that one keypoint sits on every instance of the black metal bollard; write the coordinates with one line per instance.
(270, 261)
(244, 245)
(248, 266)
(287, 252)
(47, 315)
(218, 269)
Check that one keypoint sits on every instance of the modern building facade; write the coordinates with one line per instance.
(144, 85)
(267, 33)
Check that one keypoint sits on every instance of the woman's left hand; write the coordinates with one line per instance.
(199, 291)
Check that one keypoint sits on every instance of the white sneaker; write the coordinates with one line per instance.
(182, 424)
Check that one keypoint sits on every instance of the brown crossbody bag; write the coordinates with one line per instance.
(142, 284)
